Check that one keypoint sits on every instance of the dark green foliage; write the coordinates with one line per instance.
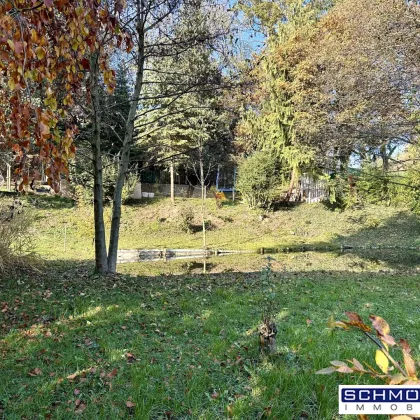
(259, 180)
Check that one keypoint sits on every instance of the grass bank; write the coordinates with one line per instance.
(64, 231)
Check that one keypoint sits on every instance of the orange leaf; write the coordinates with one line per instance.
(112, 373)
(44, 129)
(345, 369)
(409, 364)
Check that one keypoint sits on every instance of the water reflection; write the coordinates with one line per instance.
(355, 260)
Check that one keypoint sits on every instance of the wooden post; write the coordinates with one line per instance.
(234, 184)
(9, 177)
(171, 168)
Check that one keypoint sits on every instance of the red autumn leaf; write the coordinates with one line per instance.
(85, 64)
(76, 391)
(48, 3)
(409, 363)
(354, 317)
(112, 373)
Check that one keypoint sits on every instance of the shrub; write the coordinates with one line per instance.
(259, 180)
(16, 244)
(185, 220)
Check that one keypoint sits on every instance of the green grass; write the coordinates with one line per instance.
(193, 339)
(64, 231)
(162, 341)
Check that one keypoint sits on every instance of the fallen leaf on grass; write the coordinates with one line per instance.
(130, 404)
(76, 391)
(35, 372)
(130, 358)
(80, 407)
(112, 373)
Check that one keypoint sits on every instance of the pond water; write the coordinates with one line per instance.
(359, 260)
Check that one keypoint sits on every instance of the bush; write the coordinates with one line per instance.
(16, 244)
(185, 220)
(259, 180)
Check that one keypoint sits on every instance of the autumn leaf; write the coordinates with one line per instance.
(112, 373)
(130, 404)
(73, 376)
(80, 407)
(35, 372)
(18, 47)
(358, 365)
(326, 371)
(85, 64)
(409, 364)
(40, 53)
(344, 369)
(382, 361)
(404, 417)
(382, 329)
(397, 379)
(44, 129)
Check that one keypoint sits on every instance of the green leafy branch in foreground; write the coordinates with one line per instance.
(380, 336)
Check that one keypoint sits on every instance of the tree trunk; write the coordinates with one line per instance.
(125, 152)
(171, 169)
(98, 202)
(203, 196)
(267, 335)
(291, 185)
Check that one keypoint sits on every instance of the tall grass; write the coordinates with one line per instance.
(16, 239)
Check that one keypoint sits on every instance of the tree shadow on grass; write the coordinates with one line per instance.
(393, 243)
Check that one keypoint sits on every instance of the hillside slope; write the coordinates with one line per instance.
(64, 231)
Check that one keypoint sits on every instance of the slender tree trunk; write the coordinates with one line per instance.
(203, 196)
(171, 170)
(98, 202)
(291, 185)
(125, 152)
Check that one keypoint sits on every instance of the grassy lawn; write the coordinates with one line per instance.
(162, 341)
(66, 231)
(184, 346)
